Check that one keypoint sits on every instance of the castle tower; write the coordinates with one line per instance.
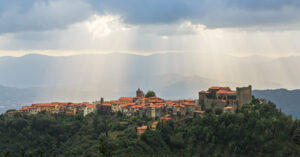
(101, 100)
(140, 96)
(139, 93)
(244, 95)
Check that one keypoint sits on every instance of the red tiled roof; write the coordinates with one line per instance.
(124, 105)
(126, 98)
(189, 100)
(199, 111)
(155, 105)
(189, 103)
(228, 107)
(165, 118)
(142, 127)
(155, 123)
(91, 106)
(182, 106)
(106, 104)
(136, 106)
(225, 92)
(219, 88)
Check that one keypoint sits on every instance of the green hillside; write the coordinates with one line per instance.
(256, 130)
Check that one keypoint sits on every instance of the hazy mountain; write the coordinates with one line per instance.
(107, 69)
(287, 100)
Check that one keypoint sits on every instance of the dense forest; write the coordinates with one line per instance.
(255, 130)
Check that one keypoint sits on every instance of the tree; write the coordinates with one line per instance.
(218, 111)
(296, 137)
(150, 93)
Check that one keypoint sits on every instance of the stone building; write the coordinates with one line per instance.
(217, 98)
(140, 96)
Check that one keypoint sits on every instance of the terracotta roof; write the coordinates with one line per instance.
(44, 104)
(126, 98)
(142, 127)
(91, 106)
(136, 106)
(106, 104)
(165, 119)
(189, 100)
(219, 88)
(189, 103)
(155, 123)
(124, 105)
(225, 92)
(155, 105)
(228, 107)
(199, 111)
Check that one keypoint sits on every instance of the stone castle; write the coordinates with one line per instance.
(223, 98)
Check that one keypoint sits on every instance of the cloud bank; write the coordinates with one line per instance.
(242, 27)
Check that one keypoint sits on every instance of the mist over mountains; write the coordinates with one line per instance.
(39, 78)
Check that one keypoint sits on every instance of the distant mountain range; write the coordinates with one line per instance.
(116, 69)
(39, 78)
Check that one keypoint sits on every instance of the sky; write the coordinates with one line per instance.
(67, 27)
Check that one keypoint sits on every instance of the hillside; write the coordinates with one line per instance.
(256, 130)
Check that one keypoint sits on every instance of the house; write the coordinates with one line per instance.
(90, 108)
(141, 130)
(154, 125)
(124, 100)
(115, 106)
(30, 110)
(199, 113)
(104, 108)
(165, 119)
(154, 111)
(228, 109)
(70, 111)
(190, 107)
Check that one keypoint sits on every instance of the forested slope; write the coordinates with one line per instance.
(256, 130)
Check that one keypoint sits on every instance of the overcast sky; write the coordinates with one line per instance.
(66, 27)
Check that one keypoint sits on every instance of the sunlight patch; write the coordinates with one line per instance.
(104, 25)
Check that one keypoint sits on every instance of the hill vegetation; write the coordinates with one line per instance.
(255, 130)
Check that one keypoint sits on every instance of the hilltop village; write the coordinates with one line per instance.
(215, 99)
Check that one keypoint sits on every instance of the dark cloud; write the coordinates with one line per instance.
(213, 13)
(32, 15)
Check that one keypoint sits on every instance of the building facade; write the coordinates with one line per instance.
(223, 98)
